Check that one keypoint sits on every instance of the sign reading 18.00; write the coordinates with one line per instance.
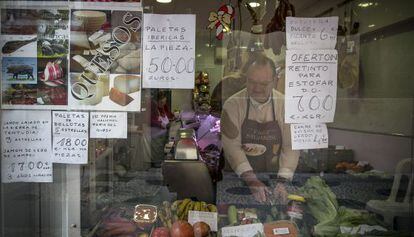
(68, 142)
(70, 137)
(168, 51)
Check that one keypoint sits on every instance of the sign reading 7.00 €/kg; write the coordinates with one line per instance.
(168, 51)
(70, 137)
(26, 146)
(311, 79)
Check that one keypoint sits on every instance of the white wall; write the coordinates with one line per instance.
(383, 152)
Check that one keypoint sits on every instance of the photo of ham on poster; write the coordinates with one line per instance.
(35, 46)
(105, 60)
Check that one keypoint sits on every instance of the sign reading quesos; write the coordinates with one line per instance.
(168, 51)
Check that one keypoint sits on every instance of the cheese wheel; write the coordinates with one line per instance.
(91, 20)
(127, 83)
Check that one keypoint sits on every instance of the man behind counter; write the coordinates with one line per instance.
(254, 135)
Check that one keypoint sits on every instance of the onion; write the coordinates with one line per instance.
(201, 229)
(181, 229)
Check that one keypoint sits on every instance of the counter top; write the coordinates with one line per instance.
(351, 191)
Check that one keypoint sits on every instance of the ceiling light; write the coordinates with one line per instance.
(254, 4)
(370, 26)
(365, 4)
(164, 1)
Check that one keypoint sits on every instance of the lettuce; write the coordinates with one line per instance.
(320, 200)
(323, 206)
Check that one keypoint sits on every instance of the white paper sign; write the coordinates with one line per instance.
(281, 231)
(109, 125)
(309, 136)
(311, 33)
(26, 146)
(242, 230)
(311, 79)
(70, 137)
(168, 51)
(208, 217)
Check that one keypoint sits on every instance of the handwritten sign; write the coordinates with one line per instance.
(109, 125)
(311, 79)
(26, 146)
(208, 217)
(168, 51)
(311, 33)
(70, 137)
(242, 230)
(309, 136)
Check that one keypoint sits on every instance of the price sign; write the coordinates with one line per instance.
(311, 33)
(311, 80)
(26, 146)
(242, 230)
(109, 125)
(309, 136)
(168, 51)
(70, 137)
(208, 217)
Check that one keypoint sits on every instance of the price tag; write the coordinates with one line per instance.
(309, 136)
(311, 82)
(26, 146)
(281, 231)
(70, 137)
(242, 230)
(109, 125)
(208, 217)
(311, 33)
(168, 51)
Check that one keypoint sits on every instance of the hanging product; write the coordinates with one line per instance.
(278, 24)
(221, 20)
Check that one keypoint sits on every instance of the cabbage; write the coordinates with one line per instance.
(320, 200)
(323, 206)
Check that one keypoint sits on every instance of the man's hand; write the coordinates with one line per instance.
(280, 193)
(259, 190)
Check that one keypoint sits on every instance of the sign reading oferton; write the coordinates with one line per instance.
(311, 79)
(311, 85)
(26, 146)
(168, 51)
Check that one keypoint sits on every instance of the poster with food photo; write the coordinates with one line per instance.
(35, 46)
(117, 1)
(105, 56)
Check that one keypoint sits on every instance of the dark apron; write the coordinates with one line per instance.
(267, 134)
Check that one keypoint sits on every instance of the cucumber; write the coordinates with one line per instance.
(232, 215)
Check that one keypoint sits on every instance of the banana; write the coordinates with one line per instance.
(189, 207)
(197, 206)
(204, 206)
(183, 206)
(212, 208)
(175, 205)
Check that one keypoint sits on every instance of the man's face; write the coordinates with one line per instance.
(260, 81)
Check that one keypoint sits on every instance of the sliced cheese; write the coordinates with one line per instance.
(119, 97)
(127, 83)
